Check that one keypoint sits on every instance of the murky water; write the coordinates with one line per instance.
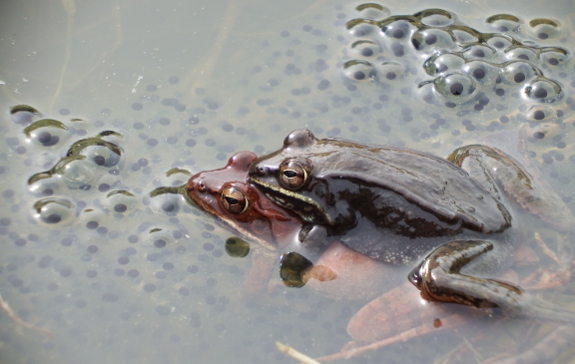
(132, 96)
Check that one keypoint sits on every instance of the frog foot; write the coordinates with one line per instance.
(439, 278)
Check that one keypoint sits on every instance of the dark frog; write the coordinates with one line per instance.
(400, 205)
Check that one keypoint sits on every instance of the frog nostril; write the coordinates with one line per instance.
(415, 277)
(201, 187)
(261, 171)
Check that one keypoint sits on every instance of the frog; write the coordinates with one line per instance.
(227, 195)
(339, 273)
(451, 219)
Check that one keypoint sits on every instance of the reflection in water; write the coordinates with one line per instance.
(118, 274)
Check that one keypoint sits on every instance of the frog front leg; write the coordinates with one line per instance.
(313, 240)
(439, 277)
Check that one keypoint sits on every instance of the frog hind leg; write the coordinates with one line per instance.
(439, 278)
(491, 167)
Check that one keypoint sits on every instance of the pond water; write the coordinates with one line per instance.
(104, 102)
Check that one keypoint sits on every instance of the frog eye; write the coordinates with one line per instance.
(233, 200)
(293, 174)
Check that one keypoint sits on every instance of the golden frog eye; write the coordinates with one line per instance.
(233, 200)
(293, 174)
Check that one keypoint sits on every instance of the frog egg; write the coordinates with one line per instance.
(538, 131)
(538, 113)
(518, 72)
(465, 35)
(543, 90)
(176, 177)
(292, 268)
(456, 87)
(390, 71)
(43, 158)
(443, 63)
(431, 40)
(236, 247)
(482, 72)
(504, 23)
(43, 187)
(23, 114)
(75, 171)
(555, 57)
(46, 132)
(436, 17)
(498, 42)
(158, 238)
(362, 27)
(52, 211)
(373, 11)
(165, 200)
(399, 29)
(105, 154)
(544, 29)
(365, 48)
(93, 220)
(521, 53)
(359, 70)
(120, 202)
(479, 52)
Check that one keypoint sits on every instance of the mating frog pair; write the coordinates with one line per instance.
(452, 219)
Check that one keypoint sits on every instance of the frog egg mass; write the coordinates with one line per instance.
(107, 116)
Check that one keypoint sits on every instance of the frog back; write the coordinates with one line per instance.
(431, 183)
